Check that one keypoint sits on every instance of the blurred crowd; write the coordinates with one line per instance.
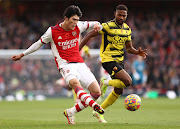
(157, 30)
(28, 75)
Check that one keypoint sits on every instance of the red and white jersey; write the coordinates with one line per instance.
(65, 44)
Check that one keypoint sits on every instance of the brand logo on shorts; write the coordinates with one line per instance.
(115, 68)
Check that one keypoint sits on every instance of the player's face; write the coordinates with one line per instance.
(120, 16)
(72, 22)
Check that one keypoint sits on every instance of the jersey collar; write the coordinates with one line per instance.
(119, 25)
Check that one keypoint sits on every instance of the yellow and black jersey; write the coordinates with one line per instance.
(114, 38)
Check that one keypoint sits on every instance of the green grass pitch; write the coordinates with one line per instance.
(161, 113)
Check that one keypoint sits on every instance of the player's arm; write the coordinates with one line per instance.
(88, 25)
(130, 49)
(34, 47)
(96, 26)
(86, 38)
(46, 38)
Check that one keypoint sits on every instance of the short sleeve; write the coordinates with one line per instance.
(83, 25)
(47, 36)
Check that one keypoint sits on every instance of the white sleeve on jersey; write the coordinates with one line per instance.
(34, 47)
(101, 27)
(91, 24)
(47, 36)
(84, 25)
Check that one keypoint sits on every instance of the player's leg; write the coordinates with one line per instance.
(82, 95)
(76, 100)
(94, 93)
(112, 97)
(124, 79)
(89, 82)
(71, 75)
(86, 99)
(94, 90)
(121, 78)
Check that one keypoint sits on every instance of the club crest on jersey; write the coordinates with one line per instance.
(74, 33)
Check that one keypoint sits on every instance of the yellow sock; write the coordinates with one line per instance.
(117, 83)
(74, 95)
(112, 97)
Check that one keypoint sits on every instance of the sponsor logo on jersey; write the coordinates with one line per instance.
(117, 40)
(68, 43)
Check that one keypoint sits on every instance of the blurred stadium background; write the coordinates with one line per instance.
(155, 26)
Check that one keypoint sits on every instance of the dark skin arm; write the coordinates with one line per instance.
(86, 38)
(130, 49)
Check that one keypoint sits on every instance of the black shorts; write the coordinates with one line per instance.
(113, 67)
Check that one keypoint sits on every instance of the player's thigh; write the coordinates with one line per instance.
(86, 76)
(69, 72)
(124, 76)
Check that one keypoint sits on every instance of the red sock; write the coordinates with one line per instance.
(80, 106)
(84, 97)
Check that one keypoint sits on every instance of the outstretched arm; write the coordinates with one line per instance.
(34, 47)
(46, 38)
(132, 50)
(86, 38)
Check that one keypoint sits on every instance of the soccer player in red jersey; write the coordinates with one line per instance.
(64, 39)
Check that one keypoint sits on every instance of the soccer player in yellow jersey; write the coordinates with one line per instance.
(116, 35)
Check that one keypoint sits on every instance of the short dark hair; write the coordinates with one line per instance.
(72, 10)
(122, 7)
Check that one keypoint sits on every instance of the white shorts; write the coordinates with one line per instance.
(79, 71)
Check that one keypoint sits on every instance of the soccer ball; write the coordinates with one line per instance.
(132, 102)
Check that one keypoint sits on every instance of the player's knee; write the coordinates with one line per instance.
(118, 91)
(128, 82)
(95, 95)
(94, 88)
(74, 83)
